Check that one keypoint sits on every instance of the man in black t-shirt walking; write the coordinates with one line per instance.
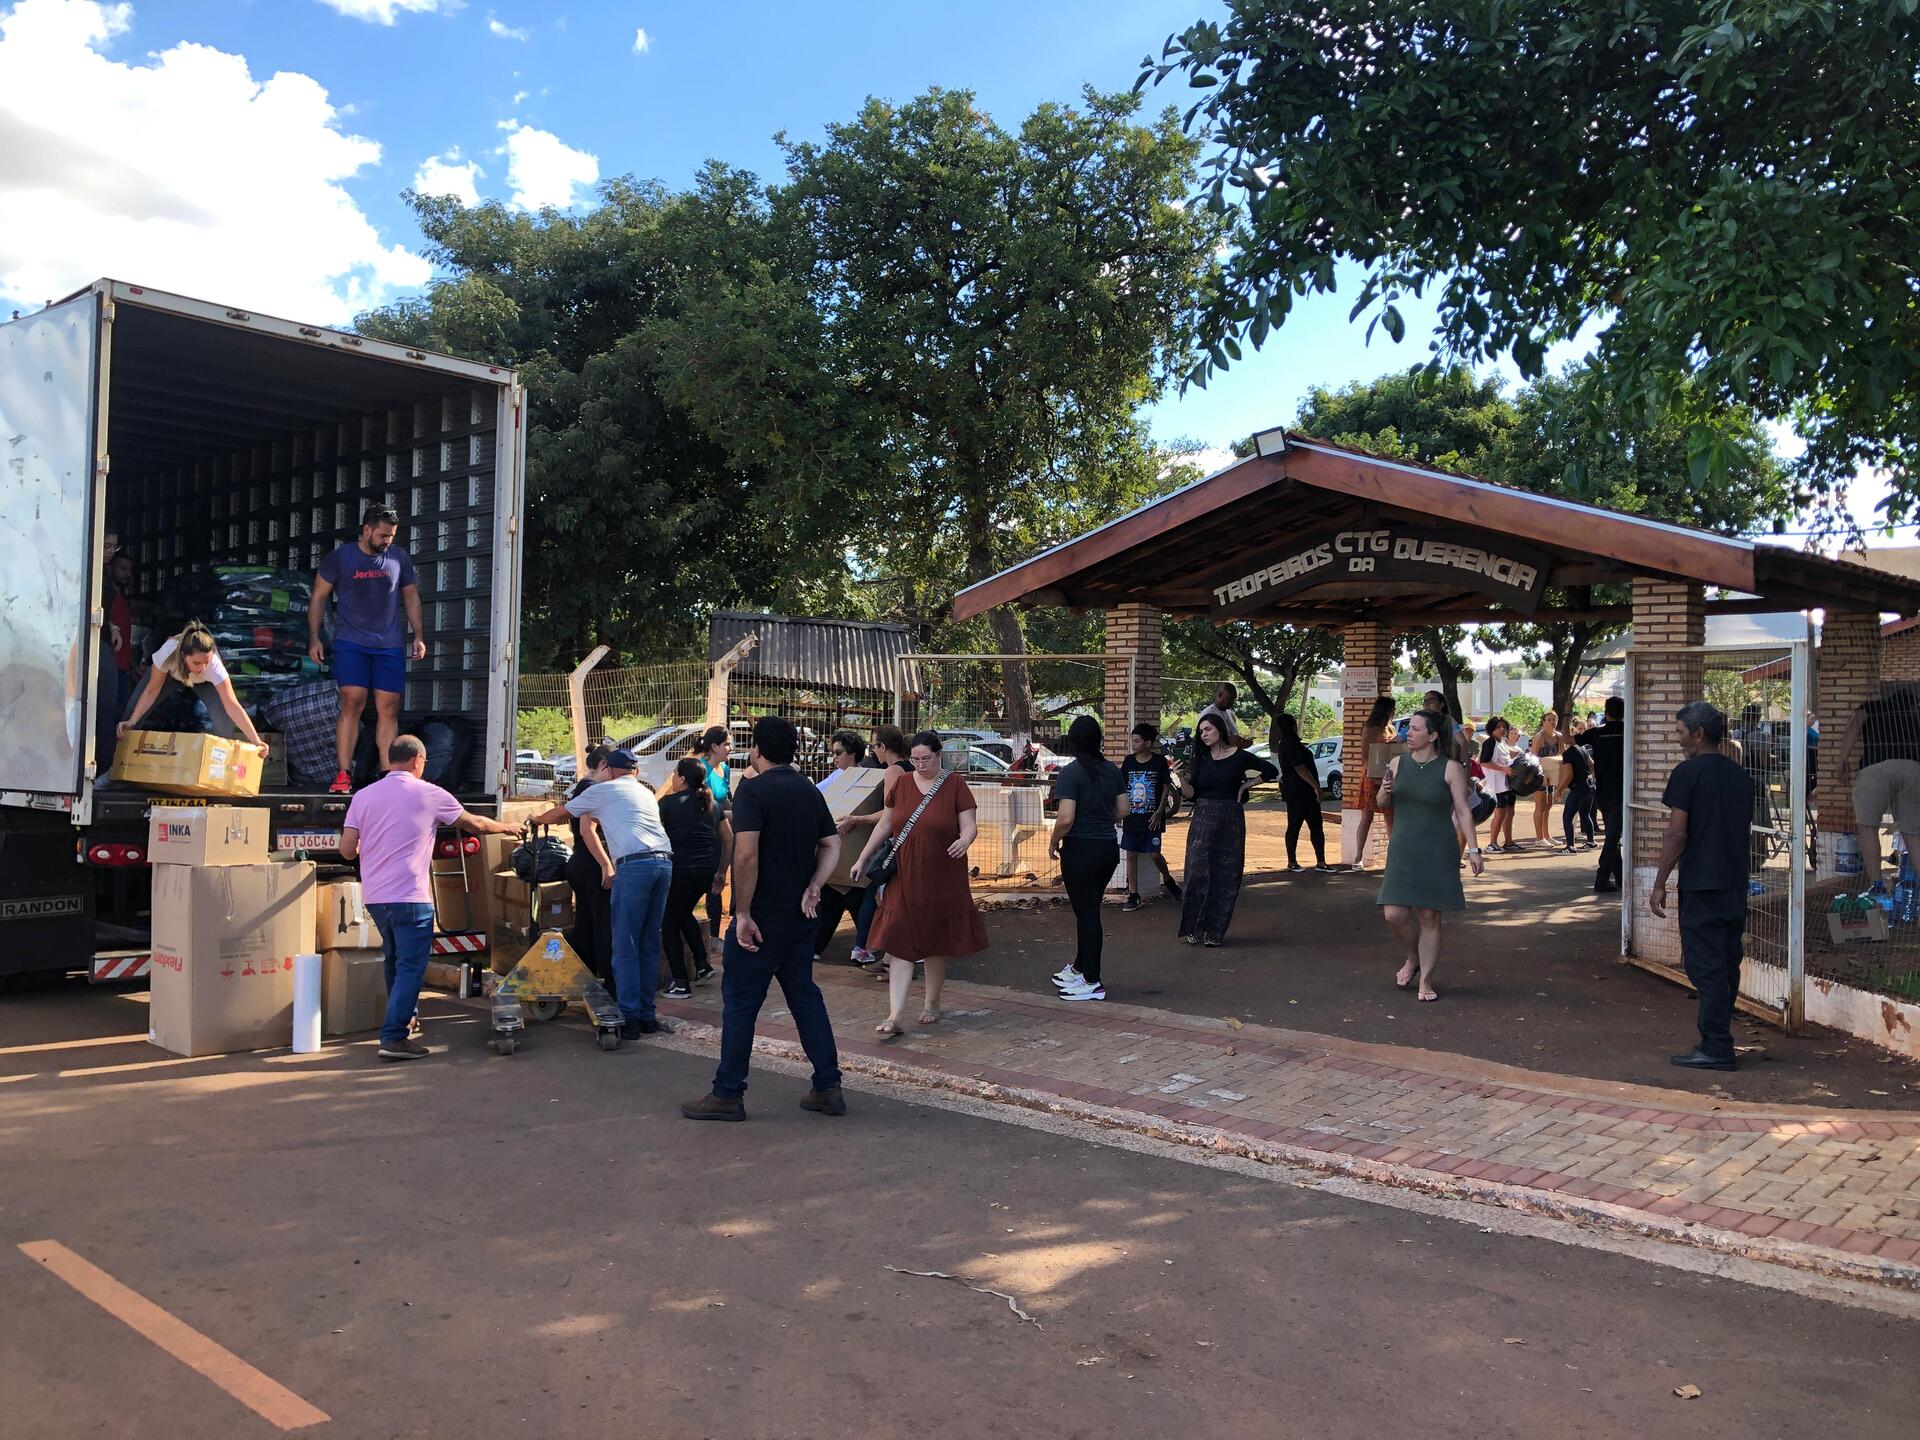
(1709, 800)
(785, 846)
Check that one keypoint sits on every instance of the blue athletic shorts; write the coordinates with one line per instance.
(1140, 842)
(369, 669)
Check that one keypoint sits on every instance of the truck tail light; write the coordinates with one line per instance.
(119, 855)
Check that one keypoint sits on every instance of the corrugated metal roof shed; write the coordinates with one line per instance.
(843, 654)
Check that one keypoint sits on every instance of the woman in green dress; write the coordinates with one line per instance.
(1427, 793)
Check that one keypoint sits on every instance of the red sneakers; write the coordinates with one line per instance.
(342, 784)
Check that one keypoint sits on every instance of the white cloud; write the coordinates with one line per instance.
(448, 174)
(507, 32)
(543, 170)
(182, 172)
(642, 42)
(518, 96)
(382, 12)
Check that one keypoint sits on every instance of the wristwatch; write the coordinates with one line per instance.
(1474, 850)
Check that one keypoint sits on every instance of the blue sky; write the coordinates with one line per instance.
(254, 151)
(712, 81)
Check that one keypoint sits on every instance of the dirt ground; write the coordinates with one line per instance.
(1529, 976)
(481, 1247)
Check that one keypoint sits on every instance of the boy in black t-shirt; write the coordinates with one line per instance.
(1149, 790)
(785, 846)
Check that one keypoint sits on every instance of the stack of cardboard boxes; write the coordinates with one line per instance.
(353, 970)
(227, 923)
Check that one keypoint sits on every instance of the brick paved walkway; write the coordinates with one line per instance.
(1840, 1191)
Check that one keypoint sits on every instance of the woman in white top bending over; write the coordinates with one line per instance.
(190, 661)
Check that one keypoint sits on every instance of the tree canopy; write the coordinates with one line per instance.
(1731, 188)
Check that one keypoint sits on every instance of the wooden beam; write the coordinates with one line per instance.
(1183, 507)
(1647, 548)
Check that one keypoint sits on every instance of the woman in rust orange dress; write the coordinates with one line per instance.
(926, 912)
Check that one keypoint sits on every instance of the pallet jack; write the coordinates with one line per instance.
(549, 977)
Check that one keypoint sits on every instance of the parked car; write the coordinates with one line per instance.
(997, 745)
(975, 761)
(533, 780)
(1326, 760)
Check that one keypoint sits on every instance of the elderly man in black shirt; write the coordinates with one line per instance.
(1709, 800)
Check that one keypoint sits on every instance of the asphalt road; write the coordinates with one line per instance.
(1529, 975)
(485, 1247)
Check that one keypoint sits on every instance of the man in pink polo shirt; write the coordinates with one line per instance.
(391, 827)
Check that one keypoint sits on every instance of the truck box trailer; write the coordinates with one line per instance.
(208, 436)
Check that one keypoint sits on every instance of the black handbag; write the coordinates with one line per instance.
(886, 860)
(1482, 805)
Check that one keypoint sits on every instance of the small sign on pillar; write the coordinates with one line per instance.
(1359, 682)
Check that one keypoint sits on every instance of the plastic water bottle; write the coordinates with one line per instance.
(1906, 893)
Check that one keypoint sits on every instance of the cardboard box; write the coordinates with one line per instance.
(464, 902)
(512, 902)
(853, 792)
(1381, 754)
(344, 923)
(207, 835)
(176, 763)
(224, 938)
(1862, 922)
(353, 991)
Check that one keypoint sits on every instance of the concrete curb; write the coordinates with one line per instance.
(1816, 1259)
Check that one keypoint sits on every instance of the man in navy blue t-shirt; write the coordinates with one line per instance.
(368, 580)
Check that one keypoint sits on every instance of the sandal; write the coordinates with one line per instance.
(1403, 977)
(1428, 995)
(887, 1030)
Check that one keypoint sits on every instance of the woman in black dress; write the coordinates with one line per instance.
(1300, 788)
(700, 837)
(1216, 779)
(592, 934)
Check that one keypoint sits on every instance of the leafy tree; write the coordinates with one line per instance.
(1523, 711)
(1731, 186)
(1628, 465)
(1265, 662)
(999, 305)
(639, 522)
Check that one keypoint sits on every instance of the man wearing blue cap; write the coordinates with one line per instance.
(642, 857)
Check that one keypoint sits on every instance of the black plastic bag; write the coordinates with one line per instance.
(542, 862)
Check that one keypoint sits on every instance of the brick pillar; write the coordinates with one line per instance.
(1665, 612)
(1368, 644)
(1848, 670)
(1139, 631)
(1899, 659)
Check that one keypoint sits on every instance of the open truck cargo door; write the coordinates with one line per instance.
(49, 427)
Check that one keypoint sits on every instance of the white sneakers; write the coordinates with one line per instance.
(1072, 985)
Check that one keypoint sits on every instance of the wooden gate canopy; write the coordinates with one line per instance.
(1307, 532)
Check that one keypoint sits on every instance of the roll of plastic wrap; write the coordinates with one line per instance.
(306, 1004)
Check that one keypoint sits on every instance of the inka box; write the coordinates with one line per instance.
(207, 835)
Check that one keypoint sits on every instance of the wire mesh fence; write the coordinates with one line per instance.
(817, 711)
(964, 699)
(1762, 691)
(650, 709)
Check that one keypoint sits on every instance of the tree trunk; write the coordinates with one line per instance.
(1010, 638)
(1440, 657)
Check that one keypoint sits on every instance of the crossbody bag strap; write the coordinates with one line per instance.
(925, 800)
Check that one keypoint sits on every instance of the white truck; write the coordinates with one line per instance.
(205, 436)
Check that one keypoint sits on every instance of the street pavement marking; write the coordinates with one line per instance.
(72, 1044)
(266, 1397)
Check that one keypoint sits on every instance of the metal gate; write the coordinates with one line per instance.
(1765, 691)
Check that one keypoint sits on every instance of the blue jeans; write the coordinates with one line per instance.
(406, 933)
(786, 955)
(639, 904)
